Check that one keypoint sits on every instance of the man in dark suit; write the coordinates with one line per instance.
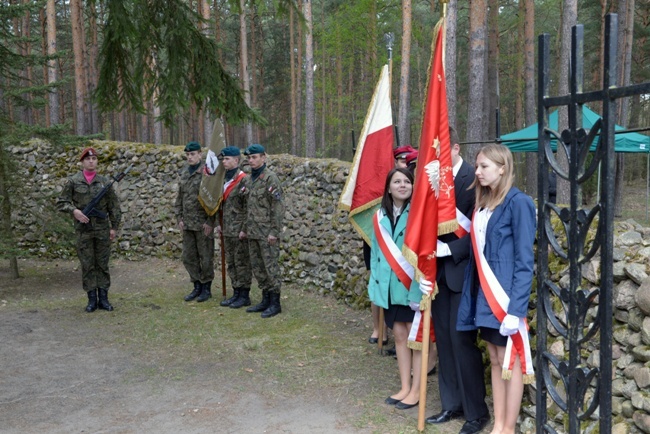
(460, 375)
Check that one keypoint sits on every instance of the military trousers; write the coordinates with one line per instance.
(198, 256)
(238, 262)
(94, 251)
(265, 265)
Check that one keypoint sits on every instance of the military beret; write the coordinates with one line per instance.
(411, 157)
(399, 153)
(192, 146)
(230, 151)
(87, 152)
(254, 149)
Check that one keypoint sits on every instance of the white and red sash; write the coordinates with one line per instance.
(229, 186)
(393, 254)
(464, 224)
(498, 301)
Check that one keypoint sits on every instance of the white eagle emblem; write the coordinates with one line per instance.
(211, 162)
(433, 174)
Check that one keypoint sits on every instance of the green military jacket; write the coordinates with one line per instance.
(77, 193)
(187, 206)
(265, 208)
(234, 209)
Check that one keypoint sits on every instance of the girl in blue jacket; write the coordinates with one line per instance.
(503, 231)
(387, 291)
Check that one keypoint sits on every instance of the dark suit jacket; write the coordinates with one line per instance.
(452, 268)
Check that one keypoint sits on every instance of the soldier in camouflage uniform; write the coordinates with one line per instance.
(196, 226)
(265, 211)
(94, 234)
(233, 207)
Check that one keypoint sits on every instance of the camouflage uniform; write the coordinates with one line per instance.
(265, 212)
(93, 238)
(198, 249)
(234, 220)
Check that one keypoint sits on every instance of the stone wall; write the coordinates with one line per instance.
(320, 250)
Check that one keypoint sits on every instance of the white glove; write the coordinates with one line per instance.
(442, 249)
(426, 287)
(509, 326)
(414, 306)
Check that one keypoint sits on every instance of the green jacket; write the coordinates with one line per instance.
(77, 193)
(187, 206)
(265, 207)
(234, 209)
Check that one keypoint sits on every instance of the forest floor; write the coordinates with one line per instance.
(159, 364)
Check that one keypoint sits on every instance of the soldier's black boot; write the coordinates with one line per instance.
(274, 308)
(195, 293)
(92, 301)
(205, 294)
(103, 300)
(243, 300)
(231, 300)
(266, 301)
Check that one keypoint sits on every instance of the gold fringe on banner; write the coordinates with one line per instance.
(447, 227)
(417, 346)
(529, 378)
(506, 374)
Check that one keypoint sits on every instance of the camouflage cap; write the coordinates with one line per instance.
(192, 146)
(255, 149)
(230, 151)
(87, 152)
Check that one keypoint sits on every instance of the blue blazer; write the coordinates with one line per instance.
(509, 242)
(382, 278)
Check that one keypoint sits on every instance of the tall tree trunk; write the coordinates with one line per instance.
(5, 212)
(405, 73)
(323, 85)
(625, 44)
(339, 100)
(93, 75)
(450, 61)
(206, 123)
(243, 43)
(529, 86)
(299, 111)
(294, 86)
(53, 95)
(26, 52)
(477, 43)
(492, 69)
(253, 68)
(569, 19)
(79, 76)
(310, 113)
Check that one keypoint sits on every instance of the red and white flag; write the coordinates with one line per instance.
(373, 160)
(433, 204)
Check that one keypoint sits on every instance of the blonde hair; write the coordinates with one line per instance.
(487, 197)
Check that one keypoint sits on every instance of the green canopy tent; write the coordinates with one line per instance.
(525, 140)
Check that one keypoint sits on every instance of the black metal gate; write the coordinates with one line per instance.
(573, 325)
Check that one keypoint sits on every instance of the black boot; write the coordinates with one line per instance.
(92, 301)
(195, 293)
(103, 300)
(231, 300)
(274, 308)
(266, 301)
(205, 293)
(243, 300)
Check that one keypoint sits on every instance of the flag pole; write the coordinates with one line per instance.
(223, 255)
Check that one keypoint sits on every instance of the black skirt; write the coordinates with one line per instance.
(397, 313)
(493, 336)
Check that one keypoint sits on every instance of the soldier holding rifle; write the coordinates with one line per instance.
(96, 227)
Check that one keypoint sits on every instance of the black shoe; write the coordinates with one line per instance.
(195, 292)
(391, 401)
(263, 305)
(401, 406)
(432, 371)
(231, 300)
(444, 416)
(92, 301)
(103, 300)
(375, 341)
(475, 426)
(391, 352)
(205, 293)
(274, 306)
(243, 300)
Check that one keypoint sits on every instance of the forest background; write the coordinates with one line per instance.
(295, 75)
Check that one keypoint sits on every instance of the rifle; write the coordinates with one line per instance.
(90, 210)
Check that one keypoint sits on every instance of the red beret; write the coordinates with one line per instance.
(397, 152)
(86, 152)
(411, 157)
